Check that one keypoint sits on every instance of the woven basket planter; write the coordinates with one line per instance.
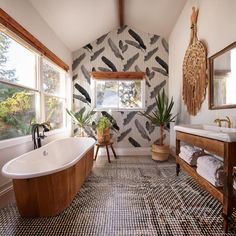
(160, 153)
(103, 137)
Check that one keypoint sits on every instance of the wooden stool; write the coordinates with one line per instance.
(106, 145)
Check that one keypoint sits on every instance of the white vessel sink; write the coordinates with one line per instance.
(209, 131)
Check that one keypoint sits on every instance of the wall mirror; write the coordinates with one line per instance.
(222, 75)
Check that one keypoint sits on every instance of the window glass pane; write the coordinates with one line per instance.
(17, 111)
(17, 63)
(130, 94)
(53, 79)
(106, 94)
(54, 110)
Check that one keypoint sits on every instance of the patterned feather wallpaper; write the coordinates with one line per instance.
(124, 49)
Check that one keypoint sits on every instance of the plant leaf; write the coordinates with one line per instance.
(133, 43)
(137, 38)
(123, 135)
(134, 142)
(157, 89)
(101, 39)
(85, 73)
(115, 49)
(83, 92)
(165, 45)
(77, 61)
(154, 39)
(141, 130)
(163, 64)
(109, 63)
(150, 54)
(131, 61)
(96, 54)
(129, 117)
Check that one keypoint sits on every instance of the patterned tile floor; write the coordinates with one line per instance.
(130, 196)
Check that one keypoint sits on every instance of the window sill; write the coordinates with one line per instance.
(24, 139)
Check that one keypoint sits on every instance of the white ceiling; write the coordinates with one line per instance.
(78, 22)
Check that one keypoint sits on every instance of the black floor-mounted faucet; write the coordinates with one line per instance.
(37, 136)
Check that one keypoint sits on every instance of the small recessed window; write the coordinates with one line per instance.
(118, 93)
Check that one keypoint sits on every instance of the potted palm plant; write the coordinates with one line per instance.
(82, 118)
(103, 129)
(161, 116)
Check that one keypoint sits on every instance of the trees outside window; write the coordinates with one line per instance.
(20, 89)
(119, 94)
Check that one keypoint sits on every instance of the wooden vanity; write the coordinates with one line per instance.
(226, 150)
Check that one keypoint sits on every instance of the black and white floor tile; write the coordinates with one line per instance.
(130, 196)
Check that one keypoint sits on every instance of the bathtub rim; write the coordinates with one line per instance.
(13, 175)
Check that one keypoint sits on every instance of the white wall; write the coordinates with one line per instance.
(27, 16)
(24, 13)
(216, 27)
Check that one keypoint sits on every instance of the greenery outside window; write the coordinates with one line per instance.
(54, 84)
(31, 88)
(118, 90)
(119, 94)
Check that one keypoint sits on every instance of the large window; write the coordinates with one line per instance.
(54, 94)
(32, 89)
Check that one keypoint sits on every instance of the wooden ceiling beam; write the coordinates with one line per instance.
(121, 12)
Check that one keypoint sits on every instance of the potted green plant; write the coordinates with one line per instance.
(161, 116)
(103, 129)
(82, 118)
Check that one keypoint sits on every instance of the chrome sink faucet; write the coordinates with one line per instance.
(227, 120)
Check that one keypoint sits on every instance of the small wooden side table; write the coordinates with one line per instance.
(98, 145)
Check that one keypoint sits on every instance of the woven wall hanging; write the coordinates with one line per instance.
(194, 70)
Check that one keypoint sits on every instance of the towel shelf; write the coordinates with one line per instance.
(227, 151)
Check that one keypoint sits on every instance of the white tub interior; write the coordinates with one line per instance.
(55, 156)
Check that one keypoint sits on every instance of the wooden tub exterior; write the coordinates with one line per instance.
(51, 194)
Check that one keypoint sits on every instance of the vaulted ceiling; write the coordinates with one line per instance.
(78, 22)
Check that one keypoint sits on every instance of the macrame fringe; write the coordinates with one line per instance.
(194, 72)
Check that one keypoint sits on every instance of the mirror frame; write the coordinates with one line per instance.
(211, 104)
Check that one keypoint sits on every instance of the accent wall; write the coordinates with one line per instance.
(124, 49)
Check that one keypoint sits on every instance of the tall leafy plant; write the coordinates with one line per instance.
(81, 118)
(161, 115)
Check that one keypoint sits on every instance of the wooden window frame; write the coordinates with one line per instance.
(117, 75)
(20, 31)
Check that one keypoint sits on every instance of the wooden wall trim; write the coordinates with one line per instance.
(19, 30)
(121, 12)
(6, 194)
(118, 75)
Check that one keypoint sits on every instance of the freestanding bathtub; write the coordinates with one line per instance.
(46, 180)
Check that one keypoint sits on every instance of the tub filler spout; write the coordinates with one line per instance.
(37, 136)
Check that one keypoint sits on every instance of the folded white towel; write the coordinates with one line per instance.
(189, 150)
(234, 182)
(210, 164)
(219, 174)
(195, 154)
(191, 160)
(218, 182)
(190, 154)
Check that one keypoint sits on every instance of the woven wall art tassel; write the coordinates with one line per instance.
(194, 70)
